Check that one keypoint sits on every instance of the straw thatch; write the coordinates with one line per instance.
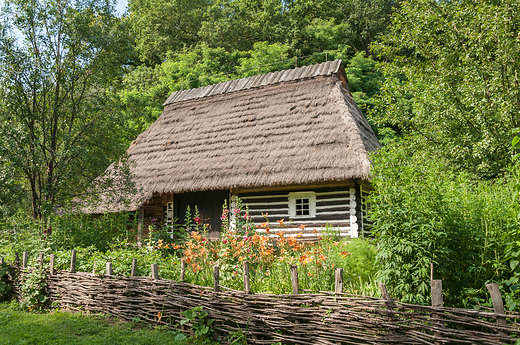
(292, 127)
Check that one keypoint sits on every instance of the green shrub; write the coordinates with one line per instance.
(424, 213)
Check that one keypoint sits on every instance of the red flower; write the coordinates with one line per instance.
(197, 220)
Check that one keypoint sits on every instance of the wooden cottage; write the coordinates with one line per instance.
(292, 144)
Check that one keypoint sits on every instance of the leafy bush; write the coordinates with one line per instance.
(424, 213)
(33, 289)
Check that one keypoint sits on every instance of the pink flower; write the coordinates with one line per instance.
(224, 241)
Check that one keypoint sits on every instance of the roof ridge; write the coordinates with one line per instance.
(298, 73)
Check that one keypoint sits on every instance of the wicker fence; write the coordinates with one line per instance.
(299, 318)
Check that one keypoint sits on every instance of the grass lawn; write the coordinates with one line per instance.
(56, 327)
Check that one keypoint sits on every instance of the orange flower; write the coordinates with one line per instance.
(302, 226)
(344, 253)
(264, 215)
(335, 244)
(281, 223)
(267, 230)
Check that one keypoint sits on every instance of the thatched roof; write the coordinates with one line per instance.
(299, 126)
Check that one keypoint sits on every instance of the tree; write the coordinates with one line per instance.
(452, 80)
(59, 63)
(161, 26)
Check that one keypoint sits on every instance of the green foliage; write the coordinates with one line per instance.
(60, 62)
(5, 284)
(197, 319)
(425, 213)
(65, 232)
(33, 288)
(451, 80)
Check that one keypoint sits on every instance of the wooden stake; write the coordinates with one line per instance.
(431, 273)
(294, 280)
(498, 305)
(183, 269)
(389, 304)
(16, 259)
(1, 260)
(40, 259)
(216, 278)
(247, 281)
(51, 264)
(25, 259)
(73, 262)
(109, 269)
(94, 268)
(155, 271)
(133, 272)
(437, 301)
(339, 280)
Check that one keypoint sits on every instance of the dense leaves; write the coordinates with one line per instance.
(424, 213)
(60, 62)
(452, 80)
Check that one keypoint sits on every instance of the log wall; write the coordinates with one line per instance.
(338, 207)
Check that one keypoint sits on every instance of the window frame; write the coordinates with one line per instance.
(293, 196)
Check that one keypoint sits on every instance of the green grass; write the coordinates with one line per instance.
(56, 327)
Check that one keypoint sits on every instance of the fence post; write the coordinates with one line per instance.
(389, 304)
(25, 259)
(294, 280)
(339, 280)
(155, 271)
(498, 305)
(247, 281)
(183, 269)
(216, 278)
(109, 269)
(51, 264)
(40, 259)
(437, 301)
(73, 261)
(133, 272)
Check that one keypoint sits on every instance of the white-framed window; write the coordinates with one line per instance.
(302, 204)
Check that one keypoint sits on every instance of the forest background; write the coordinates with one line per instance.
(437, 80)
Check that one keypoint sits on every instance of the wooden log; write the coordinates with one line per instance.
(294, 280)
(216, 278)
(51, 264)
(183, 269)
(388, 302)
(247, 280)
(498, 305)
(133, 272)
(109, 269)
(25, 258)
(339, 280)
(437, 301)
(40, 259)
(155, 271)
(73, 262)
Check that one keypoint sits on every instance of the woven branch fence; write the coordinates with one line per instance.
(299, 318)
